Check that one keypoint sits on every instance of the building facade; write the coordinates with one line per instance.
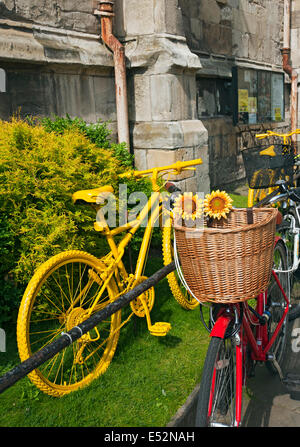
(180, 59)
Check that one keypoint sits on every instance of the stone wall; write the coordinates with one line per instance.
(295, 41)
(250, 29)
(162, 85)
(225, 33)
(56, 63)
(73, 15)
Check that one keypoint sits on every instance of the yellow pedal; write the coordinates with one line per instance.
(160, 329)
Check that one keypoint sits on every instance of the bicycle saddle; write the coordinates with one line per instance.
(91, 195)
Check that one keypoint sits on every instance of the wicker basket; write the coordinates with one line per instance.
(230, 261)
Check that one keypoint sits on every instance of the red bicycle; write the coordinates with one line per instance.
(243, 334)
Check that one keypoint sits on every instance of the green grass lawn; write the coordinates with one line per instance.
(239, 201)
(147, 382)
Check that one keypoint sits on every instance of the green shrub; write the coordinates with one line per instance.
(98, 133)
(41, 166)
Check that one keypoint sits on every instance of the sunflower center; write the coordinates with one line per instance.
(217, 204)
(188, 205)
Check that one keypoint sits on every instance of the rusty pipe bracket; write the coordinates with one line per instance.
(103, 13)
(105, 9)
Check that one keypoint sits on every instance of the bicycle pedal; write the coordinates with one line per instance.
(160, 329)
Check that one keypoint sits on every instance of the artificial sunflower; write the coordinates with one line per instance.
(188, 207)
(217, 204)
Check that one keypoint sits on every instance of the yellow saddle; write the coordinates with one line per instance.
(269, 151)
(91, 195)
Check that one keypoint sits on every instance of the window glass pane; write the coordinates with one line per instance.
(277, 98)
(259, 96)
(247, 96)
(2, 81)
(224, 93)
(206, 97)
(214, 97)
(264, 96)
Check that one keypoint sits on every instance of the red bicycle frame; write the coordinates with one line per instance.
(259, 343)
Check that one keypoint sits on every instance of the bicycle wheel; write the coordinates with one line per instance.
(285, 230)
(179, 292)
(217, 399)
(276, 305)
(57, 298)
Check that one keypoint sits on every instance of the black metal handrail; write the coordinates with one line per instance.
(67, 338)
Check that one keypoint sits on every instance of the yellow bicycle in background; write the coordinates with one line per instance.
(259, 176)
(73, 285)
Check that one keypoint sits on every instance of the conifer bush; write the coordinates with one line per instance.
(41, 165)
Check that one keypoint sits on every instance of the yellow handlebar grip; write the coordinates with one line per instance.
(262, 135)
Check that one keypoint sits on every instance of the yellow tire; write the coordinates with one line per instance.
(179, 292)
(58, 298)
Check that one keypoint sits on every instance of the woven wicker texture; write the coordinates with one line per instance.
(230, 261)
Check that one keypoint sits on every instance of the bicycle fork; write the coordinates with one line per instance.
(219, 330)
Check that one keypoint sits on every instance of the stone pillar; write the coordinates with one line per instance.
(295, 43)
(162, 88)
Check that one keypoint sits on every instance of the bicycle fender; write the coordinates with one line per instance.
(220, 326)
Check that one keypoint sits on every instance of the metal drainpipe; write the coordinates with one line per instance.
(106, 14)
(286, 52)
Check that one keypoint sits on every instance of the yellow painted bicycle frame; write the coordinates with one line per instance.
(287, 140)
(285, 136)
(113, 260)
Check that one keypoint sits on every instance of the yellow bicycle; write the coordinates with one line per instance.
(257, 194)
(73, 285)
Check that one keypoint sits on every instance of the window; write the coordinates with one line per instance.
(214, 97)
(2, 81)
(259, 96)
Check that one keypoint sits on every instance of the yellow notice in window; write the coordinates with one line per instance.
(243, 100)
(252, 103)
(277, 111)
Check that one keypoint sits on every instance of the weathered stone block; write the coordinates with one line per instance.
(104, 98)
(161, 54)
(244, 22)
(240, 43)
(157, 157)
(217, 38)
(158, 135)
(255, 47)
(209, 11)
(140, 108)
(138, 20)
(167, 17)
(194, 133)
(140, 159)
(295, 19)
(75, 15)
(166, 97)
(202, 171)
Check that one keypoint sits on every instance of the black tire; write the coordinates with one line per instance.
(276, 305)
(294, 312)
(221, 353)
(295, 276)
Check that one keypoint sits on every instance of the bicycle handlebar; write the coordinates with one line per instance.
(281, 135)
(273, 197)
(177, 167)
(267, 200)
